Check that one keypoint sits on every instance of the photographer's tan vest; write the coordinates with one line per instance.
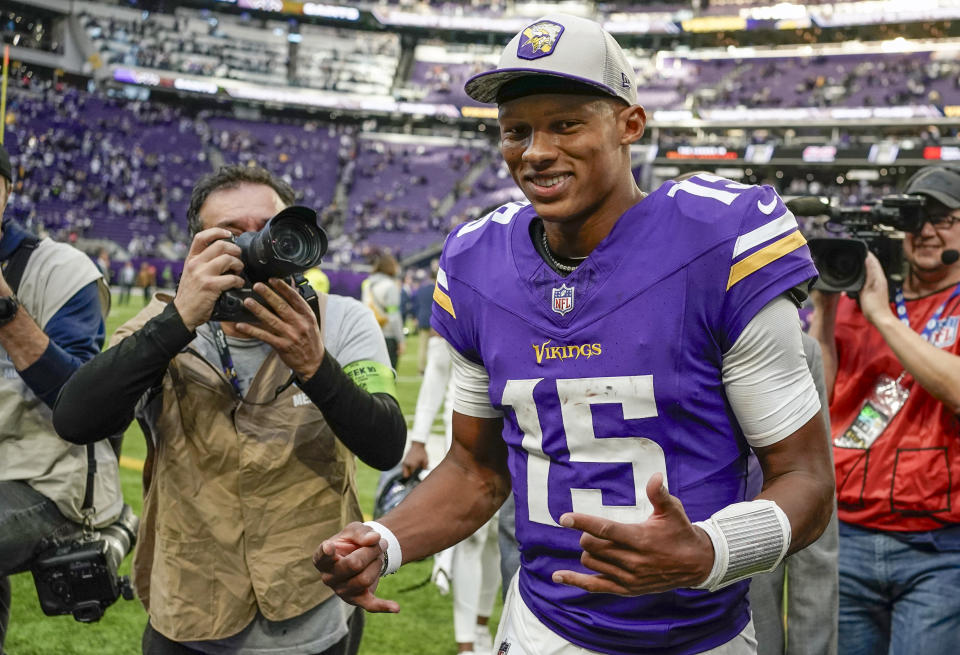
(30, 449)
(237, 498)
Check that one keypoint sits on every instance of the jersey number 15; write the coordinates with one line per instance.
(635, 394)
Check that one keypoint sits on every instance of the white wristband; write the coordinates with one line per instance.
(748, 538)
(392, 558)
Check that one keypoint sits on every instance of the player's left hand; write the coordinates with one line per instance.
(874, 296)
(664, 552)
(349, 563)
(288, 326)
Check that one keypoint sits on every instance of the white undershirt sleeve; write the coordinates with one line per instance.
(766, 376)
(472, 385)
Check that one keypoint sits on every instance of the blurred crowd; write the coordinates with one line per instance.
(117, 170)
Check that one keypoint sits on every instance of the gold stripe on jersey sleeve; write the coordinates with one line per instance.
(764, 256)
(443, 300)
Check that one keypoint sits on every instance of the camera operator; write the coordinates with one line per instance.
(50, 323)
(894, 371)
(244, 472)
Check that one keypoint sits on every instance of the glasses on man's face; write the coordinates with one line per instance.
(942, 222)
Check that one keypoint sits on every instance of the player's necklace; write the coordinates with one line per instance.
(553, 260)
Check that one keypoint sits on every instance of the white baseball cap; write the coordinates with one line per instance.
(558, 48)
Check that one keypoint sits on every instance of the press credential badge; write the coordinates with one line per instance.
(879, 408)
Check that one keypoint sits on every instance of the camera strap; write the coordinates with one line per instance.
(87, 509)
(933, 324)
(16, 264)
(226, 361)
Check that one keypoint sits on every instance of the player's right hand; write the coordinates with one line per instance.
(212, 266)
(349, 563)
(416, 459)
(663, 553)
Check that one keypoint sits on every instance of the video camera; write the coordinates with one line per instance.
(290, 243)
(79, 576)
(878, 228)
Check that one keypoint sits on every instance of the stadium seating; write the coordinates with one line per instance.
(375, 190)
(189, 41)
(103, 168)
(397, 191)
(24, 27)
(856, 80)
(306, 156)
(99, 168)
(256, 50)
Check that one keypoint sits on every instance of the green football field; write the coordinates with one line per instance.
(424, 625)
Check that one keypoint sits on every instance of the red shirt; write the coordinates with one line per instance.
(909, 479)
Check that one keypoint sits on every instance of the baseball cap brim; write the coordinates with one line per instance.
(941, 184)
(485, 87)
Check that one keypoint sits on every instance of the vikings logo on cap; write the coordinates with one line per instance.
(539, 40)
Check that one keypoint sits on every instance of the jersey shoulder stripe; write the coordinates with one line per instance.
(786, 222)
(764, 256)
(441, 293)
(752, 221)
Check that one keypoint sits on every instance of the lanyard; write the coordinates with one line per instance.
(226, 361)
(931, 325)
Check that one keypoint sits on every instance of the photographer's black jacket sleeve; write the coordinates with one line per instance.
(100, 398)
(356, 416)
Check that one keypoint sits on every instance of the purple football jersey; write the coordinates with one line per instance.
(613, 373)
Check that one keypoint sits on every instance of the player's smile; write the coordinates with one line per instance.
(549, 185)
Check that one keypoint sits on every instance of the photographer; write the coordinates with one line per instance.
(894, 372)
(50, 323)
(245, 471)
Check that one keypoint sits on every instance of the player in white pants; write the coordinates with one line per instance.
(476, 560)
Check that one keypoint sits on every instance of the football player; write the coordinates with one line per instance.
(617, 355)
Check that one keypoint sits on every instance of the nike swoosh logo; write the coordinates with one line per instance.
(767, 209)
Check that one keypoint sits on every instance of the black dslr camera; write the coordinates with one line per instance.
(79, 576)
(878, 228)
(290, 243)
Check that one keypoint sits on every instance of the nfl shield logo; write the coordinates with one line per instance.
(539, 40)
(563, 299)
(946, 333)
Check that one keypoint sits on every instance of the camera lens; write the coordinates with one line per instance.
(845, 266)
(841, 267)
(840, 263)
(292, 242)
(120, 536)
